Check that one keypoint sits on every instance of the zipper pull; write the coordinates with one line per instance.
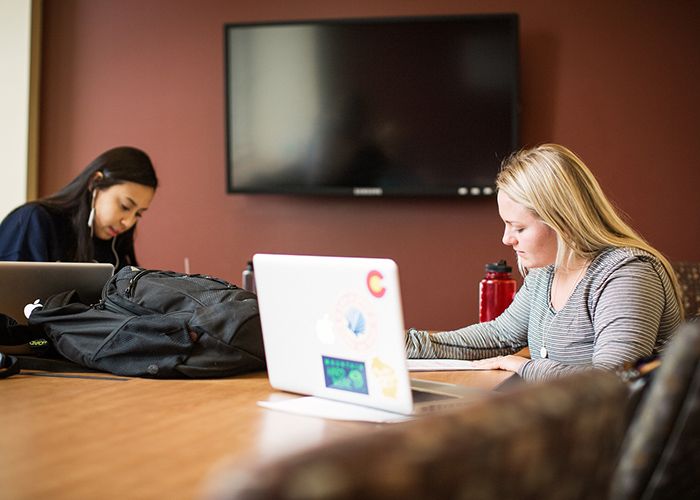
(132, 282)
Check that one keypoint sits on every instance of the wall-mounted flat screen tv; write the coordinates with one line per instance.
(400, 106)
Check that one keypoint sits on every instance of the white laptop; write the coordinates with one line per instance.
(333, 328)
(22, 283)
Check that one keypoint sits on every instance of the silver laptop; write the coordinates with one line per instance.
(333, 328)
(22, 283)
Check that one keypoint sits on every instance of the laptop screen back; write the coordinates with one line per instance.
(22, 283)
(333, 328)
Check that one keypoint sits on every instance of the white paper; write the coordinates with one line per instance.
(337, 410)
(434, 365)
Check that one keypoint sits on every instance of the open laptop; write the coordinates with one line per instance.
(22, 283)
(333, 328)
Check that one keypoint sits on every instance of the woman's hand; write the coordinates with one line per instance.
(510, 363)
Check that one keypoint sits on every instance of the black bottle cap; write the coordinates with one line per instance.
(499, 267)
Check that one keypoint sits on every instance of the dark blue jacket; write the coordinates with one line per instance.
(32, 233)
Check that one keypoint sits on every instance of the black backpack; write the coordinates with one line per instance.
(159, 324)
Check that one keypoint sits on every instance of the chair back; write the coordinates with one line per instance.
(558, 439)
(660, 457)
(688, 274)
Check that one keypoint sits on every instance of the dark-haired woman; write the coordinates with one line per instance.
(93, 218)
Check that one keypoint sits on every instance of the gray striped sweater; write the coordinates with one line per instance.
(623, 308)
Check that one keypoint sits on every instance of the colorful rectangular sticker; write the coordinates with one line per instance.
(345, 374)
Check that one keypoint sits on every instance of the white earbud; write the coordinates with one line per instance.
(91, 217)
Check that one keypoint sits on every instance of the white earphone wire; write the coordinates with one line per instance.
(91, 217)
(114, 251)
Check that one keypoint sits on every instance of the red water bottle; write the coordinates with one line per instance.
(496, 290)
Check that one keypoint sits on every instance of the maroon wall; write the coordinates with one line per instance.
(615, 81)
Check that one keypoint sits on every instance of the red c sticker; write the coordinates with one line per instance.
(375, 284)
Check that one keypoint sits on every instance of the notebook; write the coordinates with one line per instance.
(22, 283)
(333, 328)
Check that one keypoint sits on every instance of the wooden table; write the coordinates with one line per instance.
(85, 436)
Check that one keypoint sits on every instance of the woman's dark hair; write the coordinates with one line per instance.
(117, 165)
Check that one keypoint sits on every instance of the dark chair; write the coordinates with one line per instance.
(688, 274)
(554, 440)
(660, 457)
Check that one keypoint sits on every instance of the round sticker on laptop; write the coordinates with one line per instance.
(355, 322)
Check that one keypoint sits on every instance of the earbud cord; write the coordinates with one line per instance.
(114, 251)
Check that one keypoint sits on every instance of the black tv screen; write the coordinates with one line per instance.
(407, 106)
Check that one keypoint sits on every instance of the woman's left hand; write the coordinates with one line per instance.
(511, 363)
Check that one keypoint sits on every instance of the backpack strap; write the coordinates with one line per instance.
(8, 366)
(34, 355)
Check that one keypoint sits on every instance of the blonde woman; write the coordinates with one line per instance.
(595, 294)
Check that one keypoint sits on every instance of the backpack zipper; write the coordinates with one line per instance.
(129, 290)
(116, 308)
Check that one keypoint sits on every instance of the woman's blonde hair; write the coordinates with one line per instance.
(552, 182)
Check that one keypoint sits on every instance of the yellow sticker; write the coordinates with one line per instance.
(386, 376)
